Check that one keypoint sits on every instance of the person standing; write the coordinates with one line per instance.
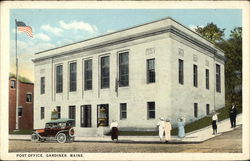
(168, 129)
(181, 129)
(114, 130)
(232, 114)
(214, 123)
(161, 127)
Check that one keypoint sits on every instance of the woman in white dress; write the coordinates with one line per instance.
(161, 127)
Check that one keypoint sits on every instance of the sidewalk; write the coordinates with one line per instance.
(197, 136)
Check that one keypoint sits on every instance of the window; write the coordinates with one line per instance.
(20, 111)
(151, 70)
(218, 83)
(151, 110)
(103, 115)
(28, 97)
(85, 116)
(195, 109)
(207, 79)
(42, 112)
(123, 69)
(72, 112)
(59, 79)
(105, 72)
(207, 109)
(195, 75)
(123, 111)
(88, 74)
(181, 72)
(72, 77)
(12, 84)
(58, 109)
(42, 85)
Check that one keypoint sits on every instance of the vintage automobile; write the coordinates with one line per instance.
(60, 129)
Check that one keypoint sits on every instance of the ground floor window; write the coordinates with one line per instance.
(207, 109)
(102, 115)
(151, 110)
(72, 112)
(85, 116)
(195, 109)
(123, 111)
(42, 110)
(58, 109)
(20, 111)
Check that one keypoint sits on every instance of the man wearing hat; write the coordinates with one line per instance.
(161, 126)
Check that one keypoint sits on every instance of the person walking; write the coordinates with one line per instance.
(114, 130)
(181, 129)
(161, 127)
(168, 129)
(233, 114)
(214, 123)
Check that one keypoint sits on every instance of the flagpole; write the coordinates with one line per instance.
(17, 84)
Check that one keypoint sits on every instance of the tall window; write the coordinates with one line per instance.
(195, 109)
(218, 78)
(123, 69)
(181, 72)
(59, 79)
(151, 110)
(85, 116)
(207, 109)
(88, 74)
(72, 112)
(20, 111)
(123, 111)
(195, 75)
(72, 77)
(105, 72)
(28, 97)
(42, 113)
(12, 84)
(207, 79)
(151, 70)
(42, 82)
(58, 109)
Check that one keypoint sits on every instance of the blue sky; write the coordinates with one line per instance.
(57, 27)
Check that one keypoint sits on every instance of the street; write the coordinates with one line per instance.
(229, 142)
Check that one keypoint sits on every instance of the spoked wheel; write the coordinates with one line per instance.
(34, 137)
(61, 138)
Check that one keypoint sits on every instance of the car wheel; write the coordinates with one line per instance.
(34, 137)
(61, 138)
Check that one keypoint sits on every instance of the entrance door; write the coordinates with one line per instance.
(102, 115)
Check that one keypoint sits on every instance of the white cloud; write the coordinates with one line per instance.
(55, 30)
(193, 27)
(42, 36)
(78, 25)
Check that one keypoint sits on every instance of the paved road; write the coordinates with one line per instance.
(229, 142)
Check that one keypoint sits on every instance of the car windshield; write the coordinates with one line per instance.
(62, 124)
(51, 125)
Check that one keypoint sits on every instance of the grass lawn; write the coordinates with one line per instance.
(206, 121)
(21, 132)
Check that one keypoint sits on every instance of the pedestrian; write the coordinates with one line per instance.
(214, 123)
(114, 130)
(168, 129)
(181, 129)
(161, 127)
(232, 114)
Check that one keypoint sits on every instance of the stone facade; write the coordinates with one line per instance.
(26, 111)
(166, 41)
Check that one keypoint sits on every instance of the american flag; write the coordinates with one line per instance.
(22, 27)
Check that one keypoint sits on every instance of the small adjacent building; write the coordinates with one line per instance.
(25, 105)
(134, 76)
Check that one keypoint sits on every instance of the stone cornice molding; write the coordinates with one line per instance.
(169, 29)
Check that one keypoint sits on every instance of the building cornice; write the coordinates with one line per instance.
(168, 29)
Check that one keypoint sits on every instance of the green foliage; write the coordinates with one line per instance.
(211, 32)
(20, 78)
(21, 132)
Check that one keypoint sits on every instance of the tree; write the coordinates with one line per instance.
(211, 32)
(20, 78)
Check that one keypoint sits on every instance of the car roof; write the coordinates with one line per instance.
(60, 120)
